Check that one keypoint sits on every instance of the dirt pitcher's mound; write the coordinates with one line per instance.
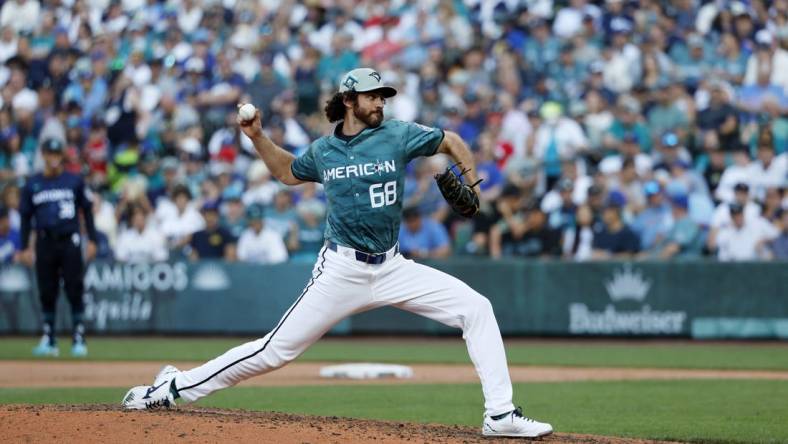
(103, 423)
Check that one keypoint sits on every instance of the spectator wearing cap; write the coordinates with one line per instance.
(10, 241)
(578, 240)
(179, 219)
(166, 179)
(684, 238)
(525, 234)
(614, 238)
(233, 214)
(306, 236)
(221, 94)
(742, 239)
(260, 188)
(623, 67)
(281, 216)
(738, 172)
(711, 163)
(568, 75)
(777, 56)
(741, 196)
(655, 220)
(721, 117)
(596, 82)
(558, 138)
(541, 50)
(779, 246)
(694, 64)
(258, 243)
(750, 99)
(561, 211)
(214, 241)
(141, 241)
(597, 119)
(665, 116)
(768, 170)
(684, 177)
(628, 122)
(731, 62)
(628, 152)
(628, 183)
(421, 237)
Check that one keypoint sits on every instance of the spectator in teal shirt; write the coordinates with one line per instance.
(684, 239)
(541, 49)
(331, 67)
(307, 236)
(665, 116)
(629, 122)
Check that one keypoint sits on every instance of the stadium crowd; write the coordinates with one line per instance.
(639, 129)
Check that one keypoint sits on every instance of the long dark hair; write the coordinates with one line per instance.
(335, 107)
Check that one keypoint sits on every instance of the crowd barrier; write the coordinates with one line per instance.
(674, 299)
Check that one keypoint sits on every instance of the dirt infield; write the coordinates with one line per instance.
(103, 423)
(123, 374)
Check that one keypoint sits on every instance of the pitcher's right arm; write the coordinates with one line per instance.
(276, 158)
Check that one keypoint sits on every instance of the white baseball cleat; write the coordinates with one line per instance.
(514, 424)
(167, 372)
(153, 397)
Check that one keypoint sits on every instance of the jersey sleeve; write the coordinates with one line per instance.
(421, 140)
(304, 167)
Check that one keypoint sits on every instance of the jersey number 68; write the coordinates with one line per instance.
(383, 194)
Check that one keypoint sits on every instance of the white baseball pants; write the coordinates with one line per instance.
(341, 286)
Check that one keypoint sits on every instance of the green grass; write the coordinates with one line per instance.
(576, 353)
(700, 411)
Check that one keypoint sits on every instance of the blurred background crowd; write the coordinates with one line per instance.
(609, 128)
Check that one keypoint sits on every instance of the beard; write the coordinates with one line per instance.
(372, 119)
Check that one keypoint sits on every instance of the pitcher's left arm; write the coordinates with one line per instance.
(455, 147)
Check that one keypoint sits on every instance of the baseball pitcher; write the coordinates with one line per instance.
(362, 169)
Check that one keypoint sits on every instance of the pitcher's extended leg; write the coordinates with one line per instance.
(328, 298)
(444, 298)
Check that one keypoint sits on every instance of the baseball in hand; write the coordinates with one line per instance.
(246, 112)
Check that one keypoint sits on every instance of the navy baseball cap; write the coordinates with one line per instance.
(680, 200)
(52, 145)
(616, 199)
(210, 205)
(741, 186)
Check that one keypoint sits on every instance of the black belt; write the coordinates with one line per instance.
(54, 235)
(367, 258)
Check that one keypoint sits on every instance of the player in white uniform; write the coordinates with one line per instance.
(362, 168)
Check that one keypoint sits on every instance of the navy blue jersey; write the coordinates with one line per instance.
(52, 204)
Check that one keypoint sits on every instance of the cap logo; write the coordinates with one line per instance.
(375, 76)
(350, 82)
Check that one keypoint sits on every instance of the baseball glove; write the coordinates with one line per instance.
(461, 197)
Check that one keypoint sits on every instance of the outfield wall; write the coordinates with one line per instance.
(684, 299)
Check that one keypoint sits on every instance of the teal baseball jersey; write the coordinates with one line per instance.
(364, 178)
